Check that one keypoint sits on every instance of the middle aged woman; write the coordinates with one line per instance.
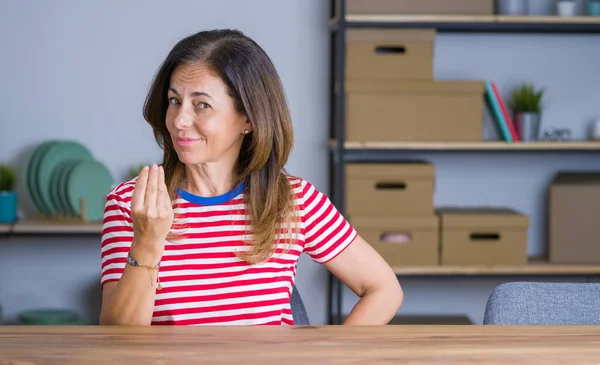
(213, 235)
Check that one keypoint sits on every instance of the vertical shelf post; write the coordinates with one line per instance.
(337, 154)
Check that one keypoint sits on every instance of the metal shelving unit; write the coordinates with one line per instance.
(342, 151)
(474, 23)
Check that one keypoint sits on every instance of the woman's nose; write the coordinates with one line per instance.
(184, 118)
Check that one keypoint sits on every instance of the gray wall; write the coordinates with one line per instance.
(80, 70)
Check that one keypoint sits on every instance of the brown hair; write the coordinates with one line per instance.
(255, 86)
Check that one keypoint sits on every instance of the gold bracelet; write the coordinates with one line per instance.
(133, 262)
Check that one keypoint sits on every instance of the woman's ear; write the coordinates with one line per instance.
(247, 127)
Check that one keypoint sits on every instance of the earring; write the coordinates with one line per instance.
(246, 131)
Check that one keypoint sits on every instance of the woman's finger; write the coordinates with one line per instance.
(152, 187)
(164, 201)
(139, 190)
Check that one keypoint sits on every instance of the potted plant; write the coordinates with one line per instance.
(526, 105)
(8, 195)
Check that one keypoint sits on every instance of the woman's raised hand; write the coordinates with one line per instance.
(151, 210)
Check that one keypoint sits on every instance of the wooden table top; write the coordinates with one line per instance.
(30, 345)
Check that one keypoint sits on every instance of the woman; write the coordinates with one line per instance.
(213, 235)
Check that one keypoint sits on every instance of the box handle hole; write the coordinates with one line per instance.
(485, 236)
(390, 50)
(395, 237)
(390, 186)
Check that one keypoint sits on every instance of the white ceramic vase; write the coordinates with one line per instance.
(566, 8)
(595, 130)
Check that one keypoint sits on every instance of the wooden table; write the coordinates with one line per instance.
(299, 345)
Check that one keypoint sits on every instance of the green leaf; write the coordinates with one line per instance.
(526, 99)
(8, 178)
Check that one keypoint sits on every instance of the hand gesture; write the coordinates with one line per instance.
(151, 209)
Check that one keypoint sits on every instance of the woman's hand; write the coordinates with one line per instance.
(151, 212)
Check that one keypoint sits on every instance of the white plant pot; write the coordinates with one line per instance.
(566, 8)
(595, 130)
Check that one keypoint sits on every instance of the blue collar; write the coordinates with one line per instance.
(212, 200)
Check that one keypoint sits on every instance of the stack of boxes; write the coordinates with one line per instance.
(391, 96)
(391, 207)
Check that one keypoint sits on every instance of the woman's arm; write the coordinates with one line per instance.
(369, 276)
(130, 301)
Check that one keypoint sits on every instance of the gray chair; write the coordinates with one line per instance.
(298, 310)
(524, 303)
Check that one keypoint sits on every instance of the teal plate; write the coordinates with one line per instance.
(89, 180)
(56, 154)
(63, 187)
(31, 179)
(57, 185)
(54, 187)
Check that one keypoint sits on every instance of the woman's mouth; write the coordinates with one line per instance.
(186, 142)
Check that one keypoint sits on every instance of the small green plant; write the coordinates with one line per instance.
(526, 99)
(8, 177)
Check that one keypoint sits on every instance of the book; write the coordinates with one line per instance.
(507, 118)
(496, 112)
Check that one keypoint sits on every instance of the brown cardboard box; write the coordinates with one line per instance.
(381, 189)
(401, 240)
(384, 54)
(416, 111)
(423, 7)
(574, 218)
(483, 236)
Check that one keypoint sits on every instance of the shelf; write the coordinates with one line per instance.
(43, 227)
(477, 23)
(472, 146)
(535, 267)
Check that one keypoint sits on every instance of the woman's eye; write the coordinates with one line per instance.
(173, 101)
(203, 105)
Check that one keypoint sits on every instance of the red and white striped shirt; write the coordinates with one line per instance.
(203, 281)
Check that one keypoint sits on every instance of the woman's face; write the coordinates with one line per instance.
(201, 118)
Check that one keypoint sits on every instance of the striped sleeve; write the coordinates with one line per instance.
(326, 232)
(117, 232)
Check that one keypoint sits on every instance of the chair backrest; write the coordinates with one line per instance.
(298, 310)
(524, 303)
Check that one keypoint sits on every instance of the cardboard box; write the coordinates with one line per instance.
(390, 189)
(415, 111)
(401, 240)
(483, 236)
(421, 7)
(387, 54)
(574, 217)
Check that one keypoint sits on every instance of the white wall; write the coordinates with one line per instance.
(80, 70)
